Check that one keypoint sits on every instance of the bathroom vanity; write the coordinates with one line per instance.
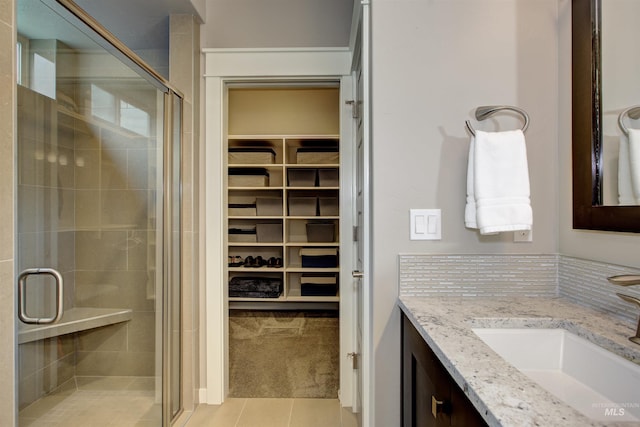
(450, 372)
(430, 397)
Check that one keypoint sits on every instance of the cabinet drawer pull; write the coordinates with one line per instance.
(437, 406)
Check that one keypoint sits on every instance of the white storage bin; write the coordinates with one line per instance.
(246, 177)
(242, 209)
(317, 155)
(251, 155)
(242, 234)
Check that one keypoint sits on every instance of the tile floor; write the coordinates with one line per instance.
(273, 413)
(97, 402)
(130, 402)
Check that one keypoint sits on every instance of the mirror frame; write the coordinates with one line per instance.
(588, 211)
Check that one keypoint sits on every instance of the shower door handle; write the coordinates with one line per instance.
(22, 300)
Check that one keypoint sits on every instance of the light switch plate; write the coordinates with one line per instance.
(425, 224)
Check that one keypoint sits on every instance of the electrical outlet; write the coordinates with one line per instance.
(521, 236)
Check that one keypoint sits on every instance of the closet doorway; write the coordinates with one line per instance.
(283, 249)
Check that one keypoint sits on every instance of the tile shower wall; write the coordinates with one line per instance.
(7, 195)
(583, 281)
(45, 235)
(85, 192)
(115, 242)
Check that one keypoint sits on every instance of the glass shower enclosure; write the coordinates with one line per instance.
(98, 227)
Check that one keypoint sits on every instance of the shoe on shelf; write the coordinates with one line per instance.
(235, 261)
(250, 261)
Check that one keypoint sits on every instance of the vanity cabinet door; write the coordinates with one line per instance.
(430, 397)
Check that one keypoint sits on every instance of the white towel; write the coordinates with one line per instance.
(470, 208)
(634, 162)
(625, 188)
(500, 191)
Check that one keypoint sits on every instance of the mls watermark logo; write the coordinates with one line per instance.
(617, 410)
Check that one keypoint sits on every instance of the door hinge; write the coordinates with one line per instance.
(354, 359)
(355, 108)
(355, 233)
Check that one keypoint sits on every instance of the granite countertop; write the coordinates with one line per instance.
(501, 393)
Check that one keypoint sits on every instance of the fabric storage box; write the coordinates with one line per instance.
(324, 285)
(269, 206)
(242, 234)
(255, 287)
(329, 206)
(319, 257)
(248, 177)
(303, 206)
(267, 233)
(321, 232)
(242, 209)
(301, 177)
(251, 155)
(328, 178)
(317, 155)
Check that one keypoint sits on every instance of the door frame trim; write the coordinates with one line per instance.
(223, 66)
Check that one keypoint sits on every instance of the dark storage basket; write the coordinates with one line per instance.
(302, 177)
(255, 287)
(321, 232)
(318, 284)
(269, 233)
(319, 258)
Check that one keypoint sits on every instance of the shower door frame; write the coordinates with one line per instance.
(170, 193)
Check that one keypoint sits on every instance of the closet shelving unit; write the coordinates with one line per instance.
(285, 191)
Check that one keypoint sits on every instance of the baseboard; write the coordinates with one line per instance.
(202, 396)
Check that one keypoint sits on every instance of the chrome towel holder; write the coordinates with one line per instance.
(631, 112)
(488, 110)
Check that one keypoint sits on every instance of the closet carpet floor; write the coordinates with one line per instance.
(283, 354)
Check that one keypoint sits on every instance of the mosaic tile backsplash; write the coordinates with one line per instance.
(535, 275)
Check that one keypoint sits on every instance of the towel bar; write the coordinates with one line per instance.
(488, 110)
(631, 112)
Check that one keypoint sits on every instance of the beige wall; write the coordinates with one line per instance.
(432, 64)
(7, 194)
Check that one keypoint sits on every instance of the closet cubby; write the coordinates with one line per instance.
(283, 198)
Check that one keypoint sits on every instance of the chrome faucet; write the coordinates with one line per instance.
(628, 280)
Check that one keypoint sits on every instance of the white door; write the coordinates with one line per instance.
(362, 389)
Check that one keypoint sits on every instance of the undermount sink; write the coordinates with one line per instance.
(596, 382)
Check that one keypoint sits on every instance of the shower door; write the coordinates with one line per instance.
(98, 209)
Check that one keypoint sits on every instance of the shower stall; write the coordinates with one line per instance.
(98, 227)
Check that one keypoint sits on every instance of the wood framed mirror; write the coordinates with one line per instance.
(589, 212)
